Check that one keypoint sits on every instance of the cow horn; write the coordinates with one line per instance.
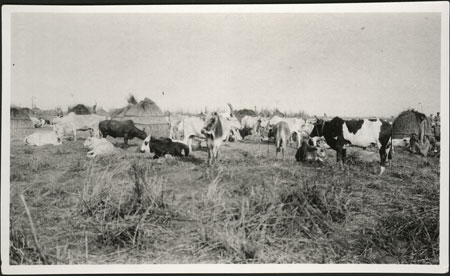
(231, 109)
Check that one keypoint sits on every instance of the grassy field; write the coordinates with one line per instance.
(248, 208)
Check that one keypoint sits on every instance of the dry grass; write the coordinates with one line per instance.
(248, 208)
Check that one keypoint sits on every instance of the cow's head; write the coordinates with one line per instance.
(317, 130)
(212, 128)
(59, 130)
(88, 142)
(145, 147)
(321, 154)
(264, 122)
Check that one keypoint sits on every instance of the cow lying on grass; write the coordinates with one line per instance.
(310, 153)
(45, 138)
(163, 146)
(98, 146)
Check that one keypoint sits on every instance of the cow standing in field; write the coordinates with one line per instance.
(125, 129)
(254, 123)
(72, 122)
(194, 127)
(216, 128)
(295, 126)
(282, 134)
(339, 133)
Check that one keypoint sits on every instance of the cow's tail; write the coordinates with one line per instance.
(280, 143)
(391, 150)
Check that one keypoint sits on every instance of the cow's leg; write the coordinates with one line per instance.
(74, 134)
(210, 156)
(383, 157)
(125, 141)
(215, 154)
(190, 144)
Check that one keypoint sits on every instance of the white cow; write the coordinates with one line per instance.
(98, 146)
(176, 126)
(192, 127)
(72, 122)
(295, 126)
(400, 142)
(45, 138)
(255, 123)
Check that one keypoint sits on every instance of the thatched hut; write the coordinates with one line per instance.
(100, 111)
(80, 109)
(145, 114)
(244, 112)
(48, 114)
(409, 122)
(21, 125)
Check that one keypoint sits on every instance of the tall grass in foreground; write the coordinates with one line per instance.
(119, 211)
(299, 216)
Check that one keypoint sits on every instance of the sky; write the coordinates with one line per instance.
(347, 64)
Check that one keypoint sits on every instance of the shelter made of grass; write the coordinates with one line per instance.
(144, 114)
(409, 122)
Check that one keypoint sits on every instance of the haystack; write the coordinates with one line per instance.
(80, 109)
(21, 124)
(409, 122)
(145, 114)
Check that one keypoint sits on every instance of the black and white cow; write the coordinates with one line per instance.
(163, 146)
(361, 133)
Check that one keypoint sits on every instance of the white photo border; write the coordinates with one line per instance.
(403, 7)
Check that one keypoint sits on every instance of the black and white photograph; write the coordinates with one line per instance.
(225, 138)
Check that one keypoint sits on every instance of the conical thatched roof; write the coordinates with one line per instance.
(46, 114)
(20, 113)
(100, 111)
(80, 109)
(145, 108)
(244, 112)
(409, 122)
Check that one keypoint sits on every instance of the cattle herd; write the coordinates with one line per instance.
(310, 136)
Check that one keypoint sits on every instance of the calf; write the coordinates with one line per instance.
(246, 131)
(401, 142)
(307, 152)
(163, 146)
(125, 129)
(98, 146)
(45, 138)
(282, 133)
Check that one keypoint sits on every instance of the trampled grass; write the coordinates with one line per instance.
(248, 208)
